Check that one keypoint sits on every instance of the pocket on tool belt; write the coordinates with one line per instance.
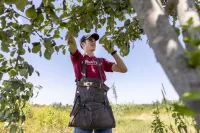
(103, 117)
(100, 96)
(84, 93)
(83, 118)
(80, 116)
(92, 94)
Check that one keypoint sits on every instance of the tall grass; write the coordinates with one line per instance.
(158, 117)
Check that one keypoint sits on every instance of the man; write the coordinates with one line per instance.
(88, 44)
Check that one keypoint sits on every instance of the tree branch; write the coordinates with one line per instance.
(168, 50)
(186, 10)
(17, 59)
(38, 34)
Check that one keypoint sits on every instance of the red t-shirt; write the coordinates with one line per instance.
(91, 66)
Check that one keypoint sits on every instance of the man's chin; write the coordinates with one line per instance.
(93, 49)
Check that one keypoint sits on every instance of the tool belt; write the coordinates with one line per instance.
(91, 109)
(93, 84)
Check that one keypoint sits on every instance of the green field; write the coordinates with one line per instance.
(130, 118)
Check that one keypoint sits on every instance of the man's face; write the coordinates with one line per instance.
(90, 44)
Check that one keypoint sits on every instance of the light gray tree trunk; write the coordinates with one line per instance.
(167, 48)
(186, 9)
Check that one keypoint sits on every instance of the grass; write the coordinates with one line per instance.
(130, 118)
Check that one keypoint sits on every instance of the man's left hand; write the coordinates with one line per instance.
(109, 47)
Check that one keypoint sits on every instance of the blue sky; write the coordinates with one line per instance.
(141, 84)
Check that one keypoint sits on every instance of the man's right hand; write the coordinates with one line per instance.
(71, 42)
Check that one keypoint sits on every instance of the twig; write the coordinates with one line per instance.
(19, 14)
(38, 34)
(17, 59)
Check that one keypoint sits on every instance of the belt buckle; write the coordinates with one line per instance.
(87, 83)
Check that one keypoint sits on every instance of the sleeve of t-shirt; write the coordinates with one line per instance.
(107, 65)
(76, 56)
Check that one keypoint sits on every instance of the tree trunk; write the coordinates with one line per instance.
(186, 9)
(167, 48)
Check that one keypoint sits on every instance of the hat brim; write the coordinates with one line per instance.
(94, 35)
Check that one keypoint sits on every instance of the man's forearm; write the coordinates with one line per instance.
(71, 43)
(120, 63)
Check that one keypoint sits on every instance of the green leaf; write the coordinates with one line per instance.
(103, 21)
(39, 19)
(12, 53)
(9, 33)
(101, 40)
(64, 51)
(31, 13)
(57, 49)
(184, 110)
(4, 47)
(2, 8)
(21, 59)
(194, 60)
(9, 2)
(25, 97)
(13, 129)
(7, 113)
(28, 28)
(2, 113)
(23, 72)
(47, 42)
(23, 118)
(90, 7)
(36, 47)
(186, 39)
(15, 25)
(190, 21)
(54, 17)
(12, 72)
(4, 63)
(48, 52)
(47, 10)
(1, 56)
(30, 70)
(177, 30)
(29, 49)
(22, 51)
(191, 96)
(1, 76)
(20, 4)
(56, 34)
(3, 22)
(29, 85)
(38, 73)
(127, 22)
(195, 42)
(59, 9)
(36, 43)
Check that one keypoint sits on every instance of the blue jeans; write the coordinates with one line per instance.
(78, 130)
